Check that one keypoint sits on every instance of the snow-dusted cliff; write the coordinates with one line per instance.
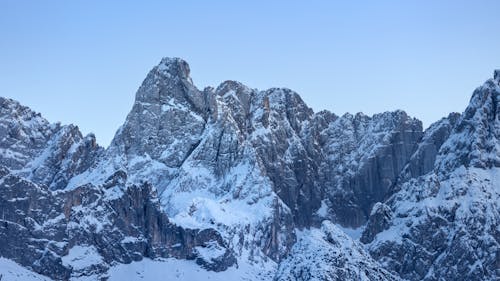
(236, 183)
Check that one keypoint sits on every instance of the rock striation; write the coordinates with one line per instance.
(235, 179)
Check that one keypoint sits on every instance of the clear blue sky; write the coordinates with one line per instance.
(82, 61)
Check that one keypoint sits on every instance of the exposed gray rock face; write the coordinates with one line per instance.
(380, 220)
(115, 223)
(168, 115)
(255, 179)
(475, 138)
(444, 224)
(422, 161)
(44, 153)
(279, 121)
(363, 159)
(24, 133)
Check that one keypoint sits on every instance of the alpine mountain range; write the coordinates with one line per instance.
(233, 183)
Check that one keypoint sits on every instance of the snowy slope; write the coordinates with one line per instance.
(182, 270)
(328, 253)
(445, 224)
(11, 271)
(241, 184)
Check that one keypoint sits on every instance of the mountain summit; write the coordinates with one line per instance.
(241, 184)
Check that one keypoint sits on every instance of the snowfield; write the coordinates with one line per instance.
(11, 271)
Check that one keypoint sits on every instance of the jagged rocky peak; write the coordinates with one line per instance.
(175, 66)
(167, 118)
(167, 75)
(237, 97)
(496, 75)
(252, 108)
(251, 182)
(442, 222)
(484, 102)
(23, 133)
(170, 114)
(172, 77)
(168, 85)
(287, 102)
(67, 154)
(14, 111)
(477, 133)
(45, 153)
(233, 92)
(230, 88)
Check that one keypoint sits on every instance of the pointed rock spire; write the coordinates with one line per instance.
(167, 108)
(169, 82)
(474, 141)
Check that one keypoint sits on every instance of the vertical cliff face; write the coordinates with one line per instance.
(83, 231)
(423, 160)
(250, 183)
(363, 159)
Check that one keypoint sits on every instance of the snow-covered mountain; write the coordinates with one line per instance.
(241, 184)
(445, 223)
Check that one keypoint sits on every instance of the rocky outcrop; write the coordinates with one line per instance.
(363, 159)
(380, 220)
(422, 161)
(23, 132)
(474, 142)
(444, 224)
(44, 153)
(234, 178)
(167, 118)
(117, 224)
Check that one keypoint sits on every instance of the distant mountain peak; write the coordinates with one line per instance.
(175, 67)
(496, 75)
(169, 82)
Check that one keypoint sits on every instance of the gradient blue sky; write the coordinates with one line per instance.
(82, 61)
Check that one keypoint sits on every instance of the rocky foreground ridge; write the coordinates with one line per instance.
(252, 185)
